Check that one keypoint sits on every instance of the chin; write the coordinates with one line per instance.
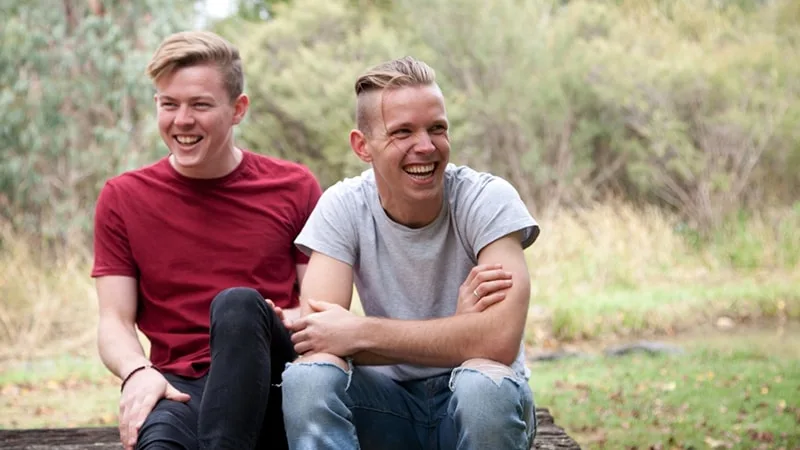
(187, 161)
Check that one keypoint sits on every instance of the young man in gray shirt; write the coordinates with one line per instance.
(436, 253)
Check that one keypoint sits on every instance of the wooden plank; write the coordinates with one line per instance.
(549, 437)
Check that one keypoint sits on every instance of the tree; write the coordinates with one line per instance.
(77, 105)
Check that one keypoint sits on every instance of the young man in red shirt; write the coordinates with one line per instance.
(196, 250)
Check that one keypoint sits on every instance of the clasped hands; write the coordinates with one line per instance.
(330, 328)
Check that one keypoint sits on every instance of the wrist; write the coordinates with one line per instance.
(135, 371)
(365, 331)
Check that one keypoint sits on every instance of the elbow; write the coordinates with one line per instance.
(503, 349)
(508, 355)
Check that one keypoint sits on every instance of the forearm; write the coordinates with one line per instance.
(444, 342)
(365, 358)
(119, 347)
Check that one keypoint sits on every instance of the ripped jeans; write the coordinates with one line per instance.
(480, 405)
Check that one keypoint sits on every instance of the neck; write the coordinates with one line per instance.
(416, 215)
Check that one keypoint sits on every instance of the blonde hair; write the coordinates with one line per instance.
(394, 74)
(191, 48)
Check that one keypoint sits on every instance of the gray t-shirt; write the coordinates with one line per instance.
(415, 273)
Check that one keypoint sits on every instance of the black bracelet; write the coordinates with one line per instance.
(138, 369)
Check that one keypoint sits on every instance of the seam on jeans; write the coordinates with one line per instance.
(497, 382)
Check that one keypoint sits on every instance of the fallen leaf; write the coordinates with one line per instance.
(714, 443)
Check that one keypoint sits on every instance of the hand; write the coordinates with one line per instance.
(287, 316)
(329, 328)
(139, 397)
(485, 285)
(278, 311)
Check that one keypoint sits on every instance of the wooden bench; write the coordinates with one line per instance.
(549, 437)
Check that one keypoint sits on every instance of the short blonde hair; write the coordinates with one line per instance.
(394, 74)
(191, 48)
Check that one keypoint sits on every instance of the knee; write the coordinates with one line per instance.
(311, 379)
(168, 427)
(486, 386)
(238, 306)
(491, 369)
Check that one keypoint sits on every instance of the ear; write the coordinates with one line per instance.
(358, 142)
(240, 107)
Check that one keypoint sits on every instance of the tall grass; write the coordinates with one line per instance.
(48, 304)
(618, 269)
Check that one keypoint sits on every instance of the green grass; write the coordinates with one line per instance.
(727, 393)
(668, 308)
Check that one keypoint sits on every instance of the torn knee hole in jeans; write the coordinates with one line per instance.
(491, 370)
(306, 364)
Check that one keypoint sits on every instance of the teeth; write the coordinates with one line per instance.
(419, 169)
(188, 140)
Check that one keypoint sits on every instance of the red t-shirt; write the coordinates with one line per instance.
(185, 240)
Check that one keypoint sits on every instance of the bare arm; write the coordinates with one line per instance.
(117, 341)
(292, 314)
(328, 279)
(121, 351)
(495, 333)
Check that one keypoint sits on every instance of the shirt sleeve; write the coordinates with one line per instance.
(313, 193)
(494, 209)
(330, 230)
(112, 251)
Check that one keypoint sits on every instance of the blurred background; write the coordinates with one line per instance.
(657, 142)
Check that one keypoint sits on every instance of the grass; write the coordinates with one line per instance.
(730, 392)
(61, 392)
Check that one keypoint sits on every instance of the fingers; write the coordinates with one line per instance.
(479, 270)
(278, 310)
(489, 300)
(302, 348)
(297, 325)
(174, 394)
(489, 287)
(319, 305)
(132, 418)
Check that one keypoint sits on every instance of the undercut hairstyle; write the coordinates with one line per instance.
(394, 74)
(193, 48)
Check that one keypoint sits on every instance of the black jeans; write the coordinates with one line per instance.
(237, 405)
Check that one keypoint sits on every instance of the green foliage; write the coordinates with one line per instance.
(688, 105)
(694, 113)
(300, 68)
(76, 104)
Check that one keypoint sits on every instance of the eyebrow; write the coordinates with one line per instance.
(191, 99)
(402, 125)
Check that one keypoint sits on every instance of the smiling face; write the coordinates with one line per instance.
(196, 117)
(408, 145)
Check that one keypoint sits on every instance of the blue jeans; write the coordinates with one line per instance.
(480, 405)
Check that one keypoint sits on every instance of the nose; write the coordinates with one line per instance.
(424, 143)
(184, 117)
